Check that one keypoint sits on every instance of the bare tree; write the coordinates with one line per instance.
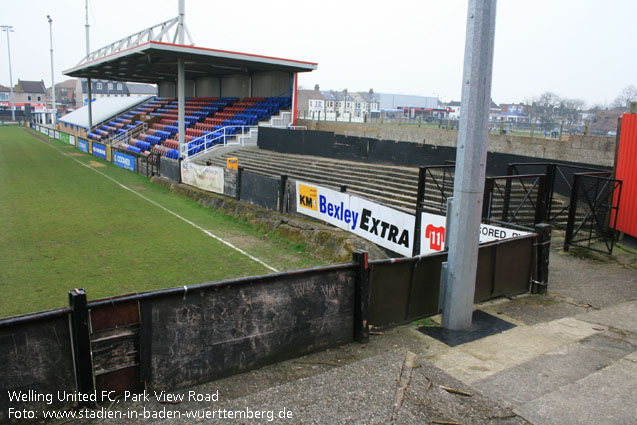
(628, 94)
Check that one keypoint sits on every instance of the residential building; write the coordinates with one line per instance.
(31, 93)
(454, 108)
(512, 112)
(107, 88)
(333, 104)
(64, 96)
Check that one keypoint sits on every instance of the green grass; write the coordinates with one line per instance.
(64, 226)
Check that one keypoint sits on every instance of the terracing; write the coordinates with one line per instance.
(392, 185)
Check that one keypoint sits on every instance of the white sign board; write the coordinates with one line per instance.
(432, 237)
(387, 227)
(203, 177)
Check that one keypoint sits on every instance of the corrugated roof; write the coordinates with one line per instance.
(104, 109)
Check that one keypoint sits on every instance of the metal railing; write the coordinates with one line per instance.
(225, 136)
(593, 212)
(516, 199)
(124, 137)
(559, 186)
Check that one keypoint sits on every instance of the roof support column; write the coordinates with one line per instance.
(294, 89)
(181, 79)
(471, 158)
(181, 101)
(90, 104)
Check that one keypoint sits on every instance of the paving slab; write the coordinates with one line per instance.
(480, 359)
(622, 316)
(607, 397)
(550, 371)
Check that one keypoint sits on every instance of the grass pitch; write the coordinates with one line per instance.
(65, 226)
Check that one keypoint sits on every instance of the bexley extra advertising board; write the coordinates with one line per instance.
(385, 226)
(433, 235)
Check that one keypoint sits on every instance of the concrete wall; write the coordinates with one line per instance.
(167, 89)
(235, 86)
(270, 84)
(207, 87)
(596, 150)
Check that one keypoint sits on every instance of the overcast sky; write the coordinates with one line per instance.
(576, 48)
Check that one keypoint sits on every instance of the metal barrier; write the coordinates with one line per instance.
(559, 185)
(516, 200)
(593, 212)
(226, 136)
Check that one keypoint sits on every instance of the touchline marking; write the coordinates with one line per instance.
(196, 226)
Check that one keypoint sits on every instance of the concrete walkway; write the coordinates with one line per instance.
(570, 359)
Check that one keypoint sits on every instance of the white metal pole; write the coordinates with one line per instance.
(88, 80)
(54, 110)
(471, 158)
(181, 79)
(8, 29)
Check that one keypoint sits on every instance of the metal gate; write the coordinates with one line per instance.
(593, 212)
(559, 185)
(516, 200)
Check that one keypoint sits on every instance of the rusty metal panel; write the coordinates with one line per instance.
(425, 290)
(114, 315)
(389, 291)
(513, 267)
(626, 170)
(485, 273)
(115, 346)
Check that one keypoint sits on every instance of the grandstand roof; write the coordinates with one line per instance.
(104, 108)
(153, 62)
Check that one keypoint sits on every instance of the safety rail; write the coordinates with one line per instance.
(124, 137)
(225, 136)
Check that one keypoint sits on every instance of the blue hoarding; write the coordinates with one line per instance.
(82, 145)
(123, 160)
(99, 150)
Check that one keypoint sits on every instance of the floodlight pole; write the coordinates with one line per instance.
(54, 111)
(181, 78)
(471, 157)
(88, 80)
(8, 29)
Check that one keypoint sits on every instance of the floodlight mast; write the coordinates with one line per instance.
(88, 80)
(471, 158)
(54, 110)
(181, 78)
(8, 29)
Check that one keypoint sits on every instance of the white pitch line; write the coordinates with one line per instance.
(196, 226)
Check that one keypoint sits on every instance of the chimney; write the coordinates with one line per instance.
(371, 91)
(316, 87)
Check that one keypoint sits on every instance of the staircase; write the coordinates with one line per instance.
(282, 120)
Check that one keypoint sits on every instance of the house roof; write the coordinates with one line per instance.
(68, 84)
(4, 89)
(31, 86)
(369, 97)
(137, 88)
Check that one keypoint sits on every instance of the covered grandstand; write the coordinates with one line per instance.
(206, 96)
